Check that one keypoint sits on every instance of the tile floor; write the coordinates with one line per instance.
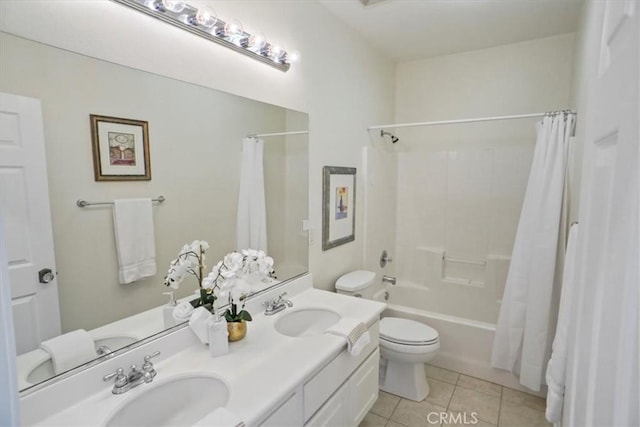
(454, 393)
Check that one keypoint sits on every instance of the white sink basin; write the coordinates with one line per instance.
(306, 322)
(180, 400)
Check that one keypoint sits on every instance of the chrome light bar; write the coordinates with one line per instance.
(204, 23)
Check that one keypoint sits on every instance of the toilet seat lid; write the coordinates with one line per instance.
(405, 331)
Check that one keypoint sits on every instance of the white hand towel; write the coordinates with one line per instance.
(556, 367)
(354, 332)
(199, 324)
(182, 312)
(135, 242)
(360, 344)
(220, 417)
(70, 350)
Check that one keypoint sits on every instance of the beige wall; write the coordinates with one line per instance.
(519, 78)
(343, 83)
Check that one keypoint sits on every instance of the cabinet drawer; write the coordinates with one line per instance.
(289, 414)
(363, 388)
(333, 413)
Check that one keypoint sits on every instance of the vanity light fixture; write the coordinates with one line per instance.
(204, 23)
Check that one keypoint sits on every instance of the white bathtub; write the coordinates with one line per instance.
(465, 345)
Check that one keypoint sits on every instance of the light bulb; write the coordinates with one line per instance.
(175, 6)
(277, 53)
(206, 18)
(257, 41)
(232, 28)
(293, 56)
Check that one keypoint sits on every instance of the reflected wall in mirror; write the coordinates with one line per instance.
(195, 136)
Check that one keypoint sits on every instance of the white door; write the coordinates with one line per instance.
(24, 205)
(604, 362)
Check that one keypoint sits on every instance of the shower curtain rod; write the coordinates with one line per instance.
(261, 135)
(477, 119)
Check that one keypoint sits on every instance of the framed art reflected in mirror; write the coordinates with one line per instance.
(120, 149)
(338, 205)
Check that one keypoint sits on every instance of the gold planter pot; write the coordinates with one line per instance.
(237, 330)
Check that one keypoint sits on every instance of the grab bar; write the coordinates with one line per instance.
(464, 261)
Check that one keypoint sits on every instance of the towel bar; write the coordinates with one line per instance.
(83, 203)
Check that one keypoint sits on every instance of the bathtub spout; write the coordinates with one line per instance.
(389, 279)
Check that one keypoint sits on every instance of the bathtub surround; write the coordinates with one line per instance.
(523, 329)
(451, 193)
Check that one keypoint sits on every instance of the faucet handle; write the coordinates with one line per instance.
(118, 372)
(147, 368)
(149, 356)
(120, 378)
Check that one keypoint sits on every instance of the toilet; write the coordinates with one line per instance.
(405, 345)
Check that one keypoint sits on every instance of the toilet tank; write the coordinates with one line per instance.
(357, 283)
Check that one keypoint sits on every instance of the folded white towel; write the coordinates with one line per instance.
(220, 417)
(198, 322)
(135, 242)
(354, 332)
(182, 312)
(70, 350)
(360, 344)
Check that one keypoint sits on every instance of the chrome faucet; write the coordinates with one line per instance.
(103, 350)
(123, 383)
(389, 279)
(276, 305)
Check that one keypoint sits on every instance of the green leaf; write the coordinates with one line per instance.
(244, 315)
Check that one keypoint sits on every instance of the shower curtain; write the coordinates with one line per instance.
(521, 343)
(251, 227)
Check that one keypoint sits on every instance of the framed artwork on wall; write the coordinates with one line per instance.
(338, 206)
(120, 149)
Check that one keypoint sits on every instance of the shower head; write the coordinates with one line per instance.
(394, 138)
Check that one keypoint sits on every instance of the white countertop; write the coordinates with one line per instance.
(262, 370)
(137, 327)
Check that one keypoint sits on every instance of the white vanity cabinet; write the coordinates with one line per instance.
(338, 395)
(288, 414)
(351, 402)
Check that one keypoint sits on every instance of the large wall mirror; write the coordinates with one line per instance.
(195, 136)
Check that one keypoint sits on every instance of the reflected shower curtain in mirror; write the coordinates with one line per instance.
(251, 228)
(521, 343)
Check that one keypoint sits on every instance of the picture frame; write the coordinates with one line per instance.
(120, 149)
(338, 206)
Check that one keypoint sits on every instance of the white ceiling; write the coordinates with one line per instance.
(406, 30)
